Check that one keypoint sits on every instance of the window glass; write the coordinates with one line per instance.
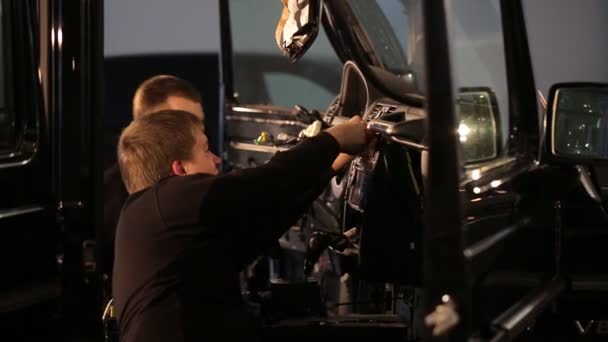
(263, 76)
(581, 122)
(394, 30)
(480, 78)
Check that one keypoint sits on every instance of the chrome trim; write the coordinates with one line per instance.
(19, 211)
(17, 163)
(483, 184)
(408, 143)
(267, 121)
(500, 161)
(485, 244)
(587, 183)
(542, 99)
(516, 318)
(383, 127)
(553, 121)
(24, 160)
(69, 205)
(247, 110)
(257, 148)
(259, 110)
(10, 155)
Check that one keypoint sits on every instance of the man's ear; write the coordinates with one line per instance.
(178, 168)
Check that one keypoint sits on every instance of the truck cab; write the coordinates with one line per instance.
(480, 213)
(478, 200)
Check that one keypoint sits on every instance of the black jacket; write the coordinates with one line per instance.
(181, 244)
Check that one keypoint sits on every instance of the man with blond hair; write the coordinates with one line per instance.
(167, 92)
(185, 232)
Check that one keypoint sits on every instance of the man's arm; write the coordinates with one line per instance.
(255, 206)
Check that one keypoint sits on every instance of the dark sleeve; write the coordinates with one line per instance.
(255, 206)
(114, 195)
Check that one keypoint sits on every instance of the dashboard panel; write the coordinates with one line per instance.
(399, 122)
(382, 196)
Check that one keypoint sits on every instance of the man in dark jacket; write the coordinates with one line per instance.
(154, 94)
(185, 232)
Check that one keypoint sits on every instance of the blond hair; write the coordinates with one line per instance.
(150, 144)
(156, 90)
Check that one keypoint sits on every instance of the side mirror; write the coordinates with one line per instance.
(577, 122)
(298, 27)
(479, 128)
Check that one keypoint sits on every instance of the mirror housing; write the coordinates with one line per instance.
(298, 27)
(577, 123)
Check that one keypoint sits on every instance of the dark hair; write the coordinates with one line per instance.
(155, 90)
(150, 144)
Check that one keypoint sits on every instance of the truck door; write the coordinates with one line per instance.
(491, 247)
(49, 172)
(28, 247)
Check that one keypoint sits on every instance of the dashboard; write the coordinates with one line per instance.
(382, 187)
(401, 123)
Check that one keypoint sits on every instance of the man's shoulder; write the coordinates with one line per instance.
(181, 189)
(182, 196)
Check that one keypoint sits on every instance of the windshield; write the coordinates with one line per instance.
(393, 29)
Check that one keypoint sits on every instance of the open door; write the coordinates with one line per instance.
(28, 246)
(49, 174)
(493, 237)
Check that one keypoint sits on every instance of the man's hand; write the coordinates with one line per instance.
(351, 136)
